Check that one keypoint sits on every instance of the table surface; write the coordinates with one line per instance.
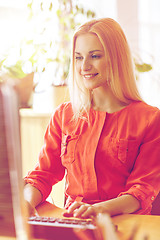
(140, 227)
(130, 226)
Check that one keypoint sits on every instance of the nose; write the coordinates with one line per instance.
(86, 65)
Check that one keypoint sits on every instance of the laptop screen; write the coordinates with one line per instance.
(11, 220)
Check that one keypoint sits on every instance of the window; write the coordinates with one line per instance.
(149, 46)
(12, 22)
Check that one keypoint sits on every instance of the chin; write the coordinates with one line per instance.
(92, 87)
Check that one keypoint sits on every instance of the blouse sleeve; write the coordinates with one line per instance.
(144, 180)
(49, 169)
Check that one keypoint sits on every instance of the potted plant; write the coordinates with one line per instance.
(14, 72)
(57, 21)
(19, 66)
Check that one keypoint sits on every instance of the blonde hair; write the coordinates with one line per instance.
(120, 65)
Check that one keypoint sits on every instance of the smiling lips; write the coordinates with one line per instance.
(89, 76)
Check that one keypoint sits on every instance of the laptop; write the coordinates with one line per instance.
(12, 223)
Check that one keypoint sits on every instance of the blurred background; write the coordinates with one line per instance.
(36, 34)
(35, 43)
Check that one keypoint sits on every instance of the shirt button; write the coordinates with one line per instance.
(152, 198)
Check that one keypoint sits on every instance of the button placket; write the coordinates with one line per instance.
(64, 145)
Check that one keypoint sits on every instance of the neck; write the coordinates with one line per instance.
(105, 101)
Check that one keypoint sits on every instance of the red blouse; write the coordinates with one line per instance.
(111, 155)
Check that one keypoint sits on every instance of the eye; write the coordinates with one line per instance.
(78, 57)
(95, 56)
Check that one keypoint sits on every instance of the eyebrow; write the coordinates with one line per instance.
(90, 51)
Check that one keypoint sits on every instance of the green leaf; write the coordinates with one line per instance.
(143, 67)
(15, 71)
(50, 7)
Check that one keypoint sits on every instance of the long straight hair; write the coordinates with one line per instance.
(120, 67)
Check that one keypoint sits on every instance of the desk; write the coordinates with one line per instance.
(147, 225)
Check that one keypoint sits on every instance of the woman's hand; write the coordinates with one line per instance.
(120, 205)
(31, 211)
(83, 210)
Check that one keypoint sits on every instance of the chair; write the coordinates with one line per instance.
(156, 206)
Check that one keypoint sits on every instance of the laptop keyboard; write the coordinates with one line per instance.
(62, 222)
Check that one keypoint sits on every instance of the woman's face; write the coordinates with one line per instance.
(90, 61)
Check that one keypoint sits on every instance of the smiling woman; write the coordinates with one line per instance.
(105, 141)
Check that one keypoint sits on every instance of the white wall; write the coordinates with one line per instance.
(103, 8)
(12, 22)
(140, 20)
(149, 47)
(127, 16)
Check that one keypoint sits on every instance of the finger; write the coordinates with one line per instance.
(35, 213)
(74, 206)
(89, 213)
(78, 212)
(67, 214)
